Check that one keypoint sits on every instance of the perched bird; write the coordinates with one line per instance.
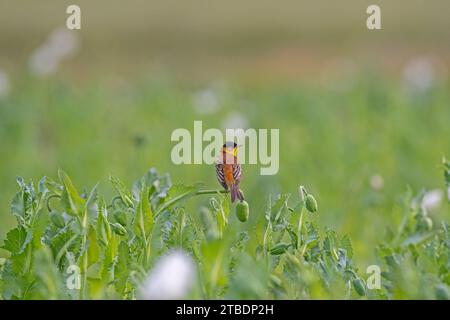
(228, 170)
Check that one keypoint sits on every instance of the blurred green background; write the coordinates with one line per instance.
(362, 114)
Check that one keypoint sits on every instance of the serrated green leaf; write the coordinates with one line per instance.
(17, 240)
(40, 223)
(109, 254)
(121, 270)
(65, 241)
(347, 245)
(49, 282)
(17, 205)
(214, 261)
(70, 198)
(103, 228)
(144, 215)
(94, 248)
(15, 285)
(221, 211)
(293, 236)
(330, 244)
(123, 191)
(52, 186)
(91, 203)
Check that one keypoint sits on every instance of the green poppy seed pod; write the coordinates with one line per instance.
(311, 203)
(358, 284)
(118, 229)
(279, 248)
(57, 219)
(242, 211)
(121, 217)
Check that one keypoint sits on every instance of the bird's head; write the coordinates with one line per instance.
(230, 148)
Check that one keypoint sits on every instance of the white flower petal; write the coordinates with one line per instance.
(432, 199)
(376, 182)
(235, 120)
(206, 102)
(171, 277)
(419, 74)
(43, 61)
(61, 43)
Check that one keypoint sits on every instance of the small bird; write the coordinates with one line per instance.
(228, 170)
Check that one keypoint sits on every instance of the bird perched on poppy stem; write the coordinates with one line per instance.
(228, 170)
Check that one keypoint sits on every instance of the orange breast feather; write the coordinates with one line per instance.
(228, 174)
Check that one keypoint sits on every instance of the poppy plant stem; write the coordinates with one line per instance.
(201, 192)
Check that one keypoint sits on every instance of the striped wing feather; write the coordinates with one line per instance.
(220, 176)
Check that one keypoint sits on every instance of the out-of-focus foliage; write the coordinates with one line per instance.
(112, 244)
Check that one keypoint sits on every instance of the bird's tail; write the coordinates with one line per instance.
(236, 193)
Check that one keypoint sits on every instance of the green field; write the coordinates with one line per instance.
(364, 126)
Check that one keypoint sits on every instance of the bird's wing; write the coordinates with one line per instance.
(220, 175)
(237, 172)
